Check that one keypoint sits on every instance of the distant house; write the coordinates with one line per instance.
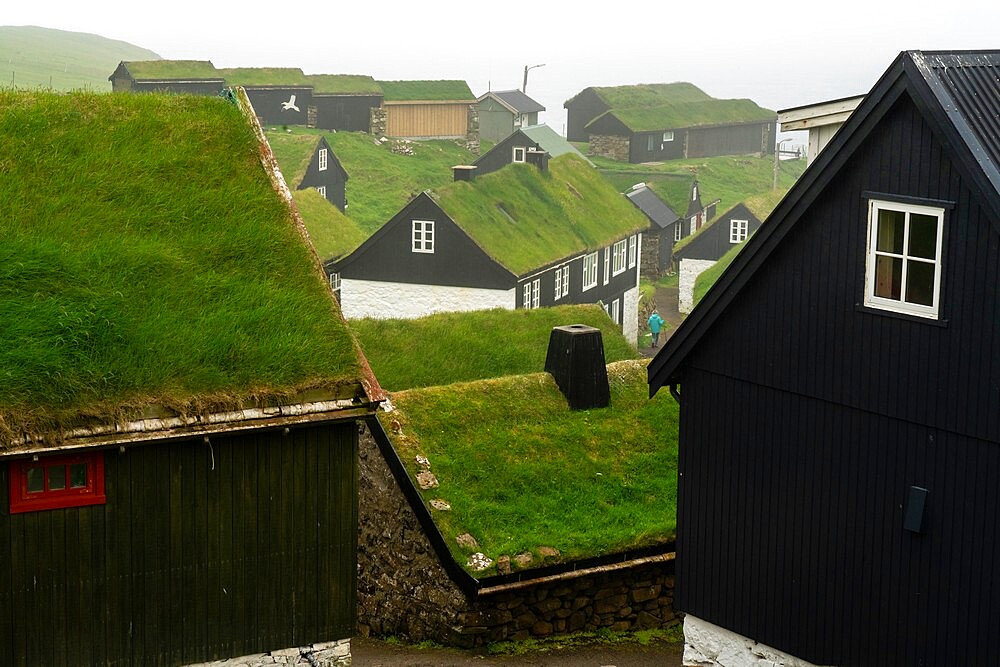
(525, 144)
(193, 77)
(427, 109)
(658, 239)
(279, 95)
(503, 111)
(326, 174)
(703, 249)
(510, 239)
(822, 119)
(653, 122)
(842, 508)
(344, 102)
(180, 405)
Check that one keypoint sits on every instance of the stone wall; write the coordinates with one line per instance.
(404, 591)
(379, 124)
(610, 146)
(472, 130)
(327, 654)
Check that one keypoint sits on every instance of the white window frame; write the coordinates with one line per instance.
(738, 230)
(901, 306)
(422, 236)
(694, 192)
(616, 311)
(322, 159)
(536, 285)
(668, 136)
(561, 281)
(322, 190)
(519, 150)
(526, 295)
(678, 230)
(618, 258)
(633, 244)
(607, 264)
(589, 271)
(650, 142)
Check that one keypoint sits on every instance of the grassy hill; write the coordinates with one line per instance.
(61, 60)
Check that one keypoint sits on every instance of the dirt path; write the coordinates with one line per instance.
(665, 299)
(374, 653)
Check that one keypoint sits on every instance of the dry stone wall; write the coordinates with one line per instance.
(610, 146)
(404, 591)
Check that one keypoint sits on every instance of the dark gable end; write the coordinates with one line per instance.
(946, 99)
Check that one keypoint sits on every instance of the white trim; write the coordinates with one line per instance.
(422, 236)
(906, 261)
(523, 153)
(616, 311)
(633, 244)
(618, 258)
(668, 136)
(678, 230)
(738, 230)
(322, 190)
(607, 265)
(334, 281)
(589, 273)
(535, 290)
(321, 157)
(561, 281)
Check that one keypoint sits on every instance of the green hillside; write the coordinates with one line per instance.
(62, 60)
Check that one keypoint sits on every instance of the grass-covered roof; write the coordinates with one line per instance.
(147, 260)
(333, 233)
(404, 91)
(650, 94)
(264, 76)
(525, 218)
(333, 84)
(172, 69)
(520, 470)
(689, 114)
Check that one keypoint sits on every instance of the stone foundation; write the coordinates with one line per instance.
(708, 645)
(326, 654)
(472, 130)
(610, 146)
(404, 591)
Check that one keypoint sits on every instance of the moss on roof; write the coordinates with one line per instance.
(172, 69)
(146, 260)
(333, 234)
(524, 218)
(264, 76)
(651, 94)
(332, 84)
(521, 470)
(403, 91)
(690, 114)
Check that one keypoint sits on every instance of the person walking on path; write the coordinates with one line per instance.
(655, 322)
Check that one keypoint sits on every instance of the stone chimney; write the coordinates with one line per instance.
(539, 158)
(576, 361)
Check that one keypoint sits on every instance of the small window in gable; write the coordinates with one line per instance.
(738, 231)
(322, 190)
(422, 236)
(903, 270)
(54, 482)
(322, 159)
(519, 153)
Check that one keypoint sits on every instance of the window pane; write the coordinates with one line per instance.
(923, 236)
(36, 480)
(920, 283)
(57, 477)
(890, 231)
(78, 476)
(888, 276)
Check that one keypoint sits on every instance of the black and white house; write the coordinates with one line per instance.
(842, 507)
(506, 240)
(536, 144)
(326, 174)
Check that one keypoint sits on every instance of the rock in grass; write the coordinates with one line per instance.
(548, 552)
(442, 505)
(503, 565)
(427, 480)
(524, 560)
(479, 562)
(467, 541)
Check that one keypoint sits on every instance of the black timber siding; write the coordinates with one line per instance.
(267, 104)
(200, 553)
(350, 113)
(333, 178)
(457, 261)
(833, 411)
(662, 150)
(180, 87)
(582, 109)
(731, 140)
(713, 241)
(502, 153)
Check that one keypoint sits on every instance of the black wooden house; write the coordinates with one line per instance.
(658, 239)
(719, 236)
(326, 174)
(536, 144)
(839, 390)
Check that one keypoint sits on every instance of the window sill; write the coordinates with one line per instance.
(861, 308)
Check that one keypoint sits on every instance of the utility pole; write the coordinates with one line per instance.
(524, 86)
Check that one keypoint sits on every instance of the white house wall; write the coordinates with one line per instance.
(630, 315)
(365, 298)
(708, 645)
(689, 271)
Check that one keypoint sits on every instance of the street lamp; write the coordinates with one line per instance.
(777, 156)
(524, 86)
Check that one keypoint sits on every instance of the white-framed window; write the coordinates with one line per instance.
(334, 281)
(668, 135)
(590, 271)
(322, 159)
(519, 153)
(738, 230)
(562, 281)
(903, 271)
(526, 295)
(423, 236)
(535, 290)
(618, 258)
(530, 293)
(677, 230)
(694, 192)
(322, 190)
(650, 142)
(616, 311)
(607, 264)
(633, 244)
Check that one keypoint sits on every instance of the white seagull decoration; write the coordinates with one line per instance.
(290, 104)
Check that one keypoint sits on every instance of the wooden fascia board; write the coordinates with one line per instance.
(818, 115)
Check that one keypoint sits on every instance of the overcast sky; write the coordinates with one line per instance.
(779, 55)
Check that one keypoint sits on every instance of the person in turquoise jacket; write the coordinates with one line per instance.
(655, 322)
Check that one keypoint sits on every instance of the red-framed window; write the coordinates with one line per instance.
(52, 482)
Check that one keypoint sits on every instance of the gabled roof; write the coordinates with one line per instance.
(185, 290)
(703, 113)
(646, 94)
(160, 70)
(513, 100)
(526, 219)
(655, 208)
(696, 246)
(343, 84)
(958, 95)
(426, 91)
(264, 76)
(551, 142)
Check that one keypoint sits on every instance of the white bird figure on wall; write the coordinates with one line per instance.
(290, 104)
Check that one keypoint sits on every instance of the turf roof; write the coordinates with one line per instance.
(173, 69)
(525, 219)
(689, 114)
(403, 91)
(651, 94)
(148, 261)
(264, 76)
(332, 84)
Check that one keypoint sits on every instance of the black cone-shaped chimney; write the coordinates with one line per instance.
(576, 360)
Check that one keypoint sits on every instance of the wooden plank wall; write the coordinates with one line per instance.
(428, 120)
(188, 562)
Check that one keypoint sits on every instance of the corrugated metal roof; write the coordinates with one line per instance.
(550, 141)
(518, 101)
(654, 207)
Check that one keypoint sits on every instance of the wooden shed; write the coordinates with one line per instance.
(838, 386)
(181, 396)
(427, 109)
